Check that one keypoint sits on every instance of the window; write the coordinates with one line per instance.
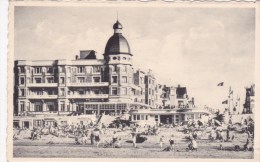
(114, 90)
(81, 92)
(156, 117)
(22, 92)
(114, 58)
(149, 91)
(62, 92)
(124, 79)
(124, 58)
(114, 79)
(37, 123)
(38, 80)
(89, 70)
(124, 68)
(124, 91)
(96, 79)
(114, 68)
(62, 69)
(62, 106)
(146, 117)
(81, 79)
(37, 70)
(69, 79)
(81, 69)
(96, 92)
(134, 117)
(68, 107)
(137, 117)
(22, 106)
(39, 92)
(50, 70)
(121, 106)
(62, 80)
(50, 80)
(22, 80)
(142, 117)
(51, 107)
(96, 69)
(38, 107)
(22, 70)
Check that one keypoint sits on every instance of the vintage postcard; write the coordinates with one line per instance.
(121, 81)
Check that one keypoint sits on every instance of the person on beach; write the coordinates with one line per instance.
(161, 142)
(172, 142)
(114, 139)
(134, 135)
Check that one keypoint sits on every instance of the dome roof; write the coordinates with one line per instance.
(117, 44)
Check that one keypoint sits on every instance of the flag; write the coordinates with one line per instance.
(221, 84)
(230, 91)
(225, 102)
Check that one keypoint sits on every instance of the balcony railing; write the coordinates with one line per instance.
(86, 96)
(42, 85)
(42, 96)
(92, 84)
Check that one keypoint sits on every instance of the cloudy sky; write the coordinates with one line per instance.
(194, 47)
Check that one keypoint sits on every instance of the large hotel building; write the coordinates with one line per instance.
(47, 89)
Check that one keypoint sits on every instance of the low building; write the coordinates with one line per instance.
(167, 116)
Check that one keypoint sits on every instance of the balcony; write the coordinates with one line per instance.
(42, 97)
(136, 87)
(42, 85)
(92, 84)
(87, 96)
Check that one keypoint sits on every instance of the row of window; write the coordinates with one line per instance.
(140, 117)
(61, 80)
(119, 58)
(79, 69)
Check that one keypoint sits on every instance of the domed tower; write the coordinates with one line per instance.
(118, 66)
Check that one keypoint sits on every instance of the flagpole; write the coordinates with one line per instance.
(232, 103)
(229, 103)
(239, 104)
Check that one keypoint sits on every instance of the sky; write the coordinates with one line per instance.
(194, 47)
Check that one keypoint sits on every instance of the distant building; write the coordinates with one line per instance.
(87, 85)
(249, 100)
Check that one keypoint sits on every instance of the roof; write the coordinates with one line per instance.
(117, 44)
(168, 111)
(87, 54)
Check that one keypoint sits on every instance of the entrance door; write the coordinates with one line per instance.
(26, 124)
(166, 119)
(16, 124)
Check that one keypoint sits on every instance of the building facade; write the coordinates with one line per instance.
(249, 100)
(88, 85)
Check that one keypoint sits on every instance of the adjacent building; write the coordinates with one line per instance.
(249, 100)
